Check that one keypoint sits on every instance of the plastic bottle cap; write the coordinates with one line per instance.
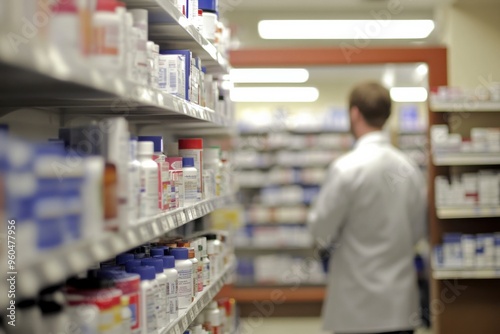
(200, 12)
(147, 273)
(116, 275)
(132, 264)
(106, 5)
(180, 253)
(191, 144)
(124, 258)
(168, 262)
(145, 148)
(64, 7)
(157, 142)
(209, 5)
(153, 262)
(187, 162)
(157, 252)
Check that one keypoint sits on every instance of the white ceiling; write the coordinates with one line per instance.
(325, 4)
(242, 16)
(320, 5)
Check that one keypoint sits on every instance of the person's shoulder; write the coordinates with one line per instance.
(345, 162)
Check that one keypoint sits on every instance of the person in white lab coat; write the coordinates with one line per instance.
(373, 207)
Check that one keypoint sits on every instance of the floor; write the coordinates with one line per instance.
(287, 326)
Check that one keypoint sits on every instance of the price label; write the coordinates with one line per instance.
(164, 223)
(189, 214)
(206, 298)
(185, 109)
(191, 315)
(196, 308)
(185, 322)
(144, 232)
(192, 111)
(171, 222)
(180, 221)
(177, 105)
(177, 329)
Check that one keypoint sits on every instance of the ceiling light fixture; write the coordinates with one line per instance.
(345, 29)
(409, 94)
(274, 94)
(269, 75)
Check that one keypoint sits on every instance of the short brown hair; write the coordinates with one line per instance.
(373, 101)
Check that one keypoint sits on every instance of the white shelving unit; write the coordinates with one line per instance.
(187, 316)
(169, 28)
(55, 266)
(466, 159)
(465, 106)
(35, 76)
(468, 212)
(36, 71)
(445, 274)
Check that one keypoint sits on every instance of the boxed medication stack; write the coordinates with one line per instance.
(178, 72)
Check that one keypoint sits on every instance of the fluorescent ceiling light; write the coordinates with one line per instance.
(422, 69)
(345, 29)
(274, 94)
(269, 75)
(409, 94)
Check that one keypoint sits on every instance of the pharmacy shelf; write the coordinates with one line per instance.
(53, 267)
(470, 106)
(296, 293)
(278, 286)
(466, 159)
(169, 28)
(87, 91)
(276, 249)
(445, 274)
(187, 316)
(468, 212)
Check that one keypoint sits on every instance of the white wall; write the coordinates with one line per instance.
(473, 40)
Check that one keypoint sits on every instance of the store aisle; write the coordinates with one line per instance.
(290, 326)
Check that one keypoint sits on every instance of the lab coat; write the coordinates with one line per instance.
(373, 205)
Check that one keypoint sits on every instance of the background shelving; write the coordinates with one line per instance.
(450, 161)
(468, 212)
(466, 159)
(442, 274)
(465, 106)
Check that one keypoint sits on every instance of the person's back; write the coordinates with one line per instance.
(373, 205)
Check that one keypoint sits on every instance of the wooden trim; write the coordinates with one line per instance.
(277, 294)
(435, 57)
